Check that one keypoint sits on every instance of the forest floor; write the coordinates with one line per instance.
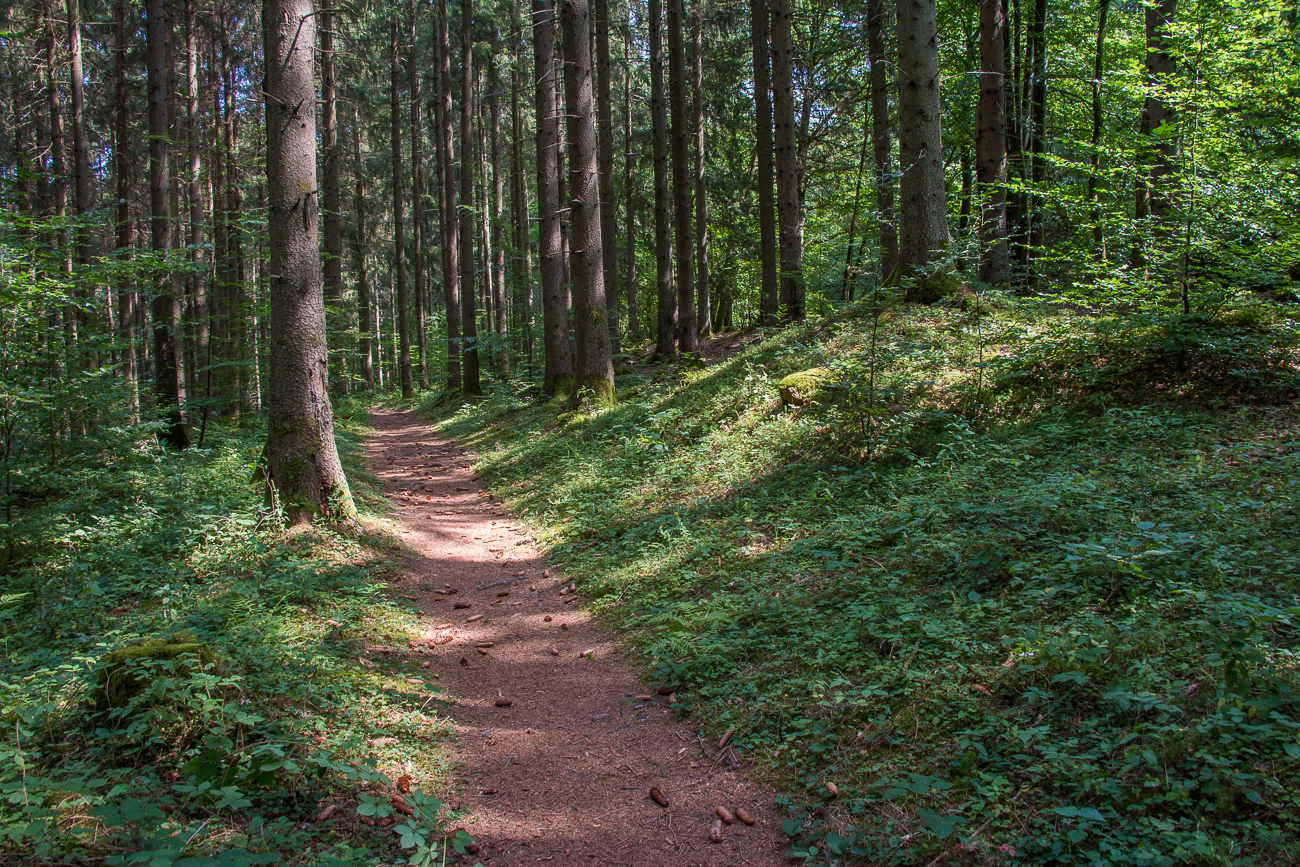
(562, 772)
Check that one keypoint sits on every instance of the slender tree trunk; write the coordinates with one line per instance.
(59, 170)
(629, 188)
(991, 143)
(555, 328)
(417, 202)
(1038, 141)
(197, 291)
(402, 301)
(166, 307)
(703, 313)
(595, 365)
(882, 144)
(302, 463)
(1159, 112)
(849, 280)
(523, 278)
(332, 206)
(608, 204)
(1094, 157)
(238, 380)
(360, 250)
(924, 208)
(769, 289)
(687, 339)
(125, 228)
(469, 309)
(447, 197)
(80, 150)
(665, 336)
(787, 162)
(497, 246)
(1017, 126)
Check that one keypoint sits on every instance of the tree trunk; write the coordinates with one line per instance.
(923, 208)
(522, 276)
(595, 365)
(1038, 141)
(608, 206)
(991, 143)
(558, 377)
(665, 335)
(447, 196)
(417, 203)
(703, 314)
(882, 145)
(470, 386)
(166, 307)
(80, 150)
(332, 206)
(125, 228)
(629, 189)
(787, 162)
(1094, 158)
(769, 299)
(402, 302)
(1017, 126)
(360, 250)
(1158, 112)
(302, 463)
(687, 339)
(497, 244)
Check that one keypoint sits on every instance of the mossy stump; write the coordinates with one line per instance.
(804, 387)
(121, 678)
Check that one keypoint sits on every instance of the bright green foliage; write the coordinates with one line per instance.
(1025, 589)
(237, 708)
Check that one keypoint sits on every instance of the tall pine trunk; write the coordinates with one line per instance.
(360, 251)
(605, 131)
(417, 201)
(703, 314)
(125, 228)
(469, 308)
(769, 299)
(558, 377)
(991, 143)
(594, 368)
(882, 139)
(923, 204)
(302, 461)
(448, 227)
(1094, 157)
(402, 301)
(497, 239)
(665, 334)
(629, 188)
(168, 388)
(788, 203)
(1038, 138)
(522, 270)
(332, 205)
(687, 340)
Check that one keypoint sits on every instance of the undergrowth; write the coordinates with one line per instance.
(1021, 585)
(183, 682)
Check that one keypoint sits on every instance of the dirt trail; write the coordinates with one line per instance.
(562, 775)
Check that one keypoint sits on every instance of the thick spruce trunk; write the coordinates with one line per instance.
(448, 224)
(125, 228)
(703, 313)
(605, 132)
(558, 377)
(302, 462)
(402, 301)
(665, 334)
(687, 339)
(991, 143)
(769, 300)
(470, 385)
(788, 201)
(332, 205)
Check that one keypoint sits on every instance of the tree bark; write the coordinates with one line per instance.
(447, 222)
(608, 205)
(522, 271)
(1157, 112)
(1094, 158)
(80, 150)
(417, 202)
(703, 313)
(787, 162)
(470, 386)
(769, 289)
(168, 387)
(331, 206)
(302, 462)
(687, 340)
(497, 242)
(665, 335)
(594, 363)
(125, 228)
(558, 377)
(882, 144)
(360, 250)
(403, 301)
(991, 143)
(629, 188)
(1038, 140)
(923, 208)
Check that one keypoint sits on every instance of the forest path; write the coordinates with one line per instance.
(562, 775)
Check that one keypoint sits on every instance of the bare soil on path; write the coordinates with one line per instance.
(559, 741)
